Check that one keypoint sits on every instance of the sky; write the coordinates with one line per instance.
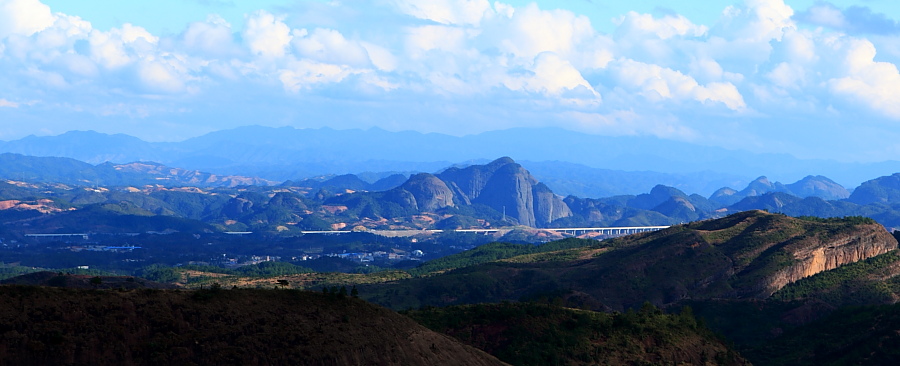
(811, 78)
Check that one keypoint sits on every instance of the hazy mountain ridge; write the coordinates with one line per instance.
(71, 171)
(263, 151)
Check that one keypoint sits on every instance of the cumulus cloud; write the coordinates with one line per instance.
(756, 20)
(329, 45)
(658, 83)
(24, 17)
(460, 12)
(853, 19)
(635, 24)
(304, 74)
(553, 75)
(212, 37)
(866, 81)
(266, 34)
(121, 46)
(530, 31)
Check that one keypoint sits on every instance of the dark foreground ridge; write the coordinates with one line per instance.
(53, 326)
(543, 334)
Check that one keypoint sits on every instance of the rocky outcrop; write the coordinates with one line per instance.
(547, 206)
(507, 187)
(510, 189)
(430, 193)
(471, 180)
(814, 255)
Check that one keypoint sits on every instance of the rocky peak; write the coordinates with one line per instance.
(760, 186)
(429, 191)
(657, 196)
(471, 180)
(506, 186)
(818, 186)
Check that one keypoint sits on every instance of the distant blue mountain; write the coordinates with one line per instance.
(598, 165)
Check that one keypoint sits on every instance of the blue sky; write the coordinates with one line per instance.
(816, 79)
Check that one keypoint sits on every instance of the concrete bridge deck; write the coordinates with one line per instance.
(573, 231)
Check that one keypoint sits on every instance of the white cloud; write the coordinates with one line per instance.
(121, 46)
(7, 104)
(304, 74)
(380, 56)
(267, 35)
(435, 37)
(827, 15)
(756, 20)
(551, 75)
(51, 79)
(160, 76)
(460, 12)
(212, 37)
(330, 46)
(24, 17)
(633, 23)
(531, 31)
(866, 81)
(657, 83)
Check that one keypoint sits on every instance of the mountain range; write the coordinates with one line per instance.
(286, 153)
(497, 194)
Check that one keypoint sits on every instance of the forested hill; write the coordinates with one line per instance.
(52, 326)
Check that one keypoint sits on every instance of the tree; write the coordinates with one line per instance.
(354, 292)
(96, 280)
(283, 283)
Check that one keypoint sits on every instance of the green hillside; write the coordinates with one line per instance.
(747, 255)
